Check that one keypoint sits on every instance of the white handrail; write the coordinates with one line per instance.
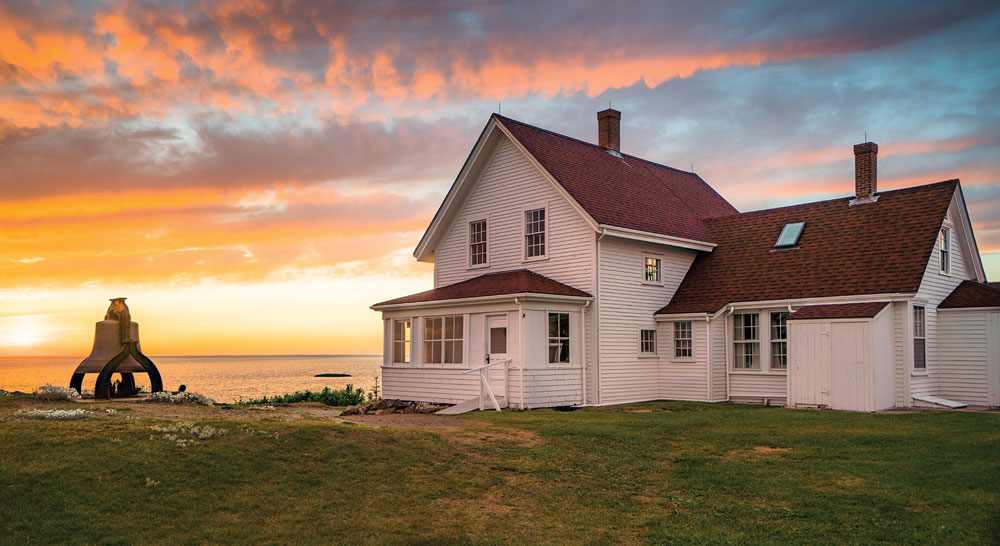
(484, 384)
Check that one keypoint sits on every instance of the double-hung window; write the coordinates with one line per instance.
(647, 342)
(779, 341)
(746, 342)
(443, 340)
(652, 269)
(945, 249)
(558, 338)
(534, 233)
(919, 339)
(477, 243)
(401, 341)
(682, 339)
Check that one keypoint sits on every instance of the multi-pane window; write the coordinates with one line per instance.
(682, 339)
(647, 342)
(477, 242)
(746, 343)
(534, 233)
(401, 341)
(652, 269)
(779, 341)
(919, 341)
(558, 338)
(443, 340)
(945, 250)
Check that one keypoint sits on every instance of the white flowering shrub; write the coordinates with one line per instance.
(184, 434)
(52, 392)
(55, 414)
(165, 397)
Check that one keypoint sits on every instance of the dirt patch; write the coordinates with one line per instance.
(523, 438)
(757, 452)
(919, 506)
(850, 482)
(411, 420)
(643, 410)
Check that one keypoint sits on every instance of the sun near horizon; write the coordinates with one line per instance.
(253, 177)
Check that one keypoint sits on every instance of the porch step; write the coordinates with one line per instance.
(935, 402)
(471, 405)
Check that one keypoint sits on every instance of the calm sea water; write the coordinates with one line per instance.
(223, 378)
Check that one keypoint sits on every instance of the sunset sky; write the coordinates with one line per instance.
(254, 175)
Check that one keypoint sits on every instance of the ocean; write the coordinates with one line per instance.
(222, 378)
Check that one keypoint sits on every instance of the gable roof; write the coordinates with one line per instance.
(627, 191)
(841, 310)
(973, 294)
(873, 248)
(518, 281)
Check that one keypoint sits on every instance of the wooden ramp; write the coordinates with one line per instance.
(935, 402)
(471, 405)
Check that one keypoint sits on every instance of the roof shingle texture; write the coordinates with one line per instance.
(973, 294)
(625, 191)
(842, 310)
(871, 248)
(520, 281)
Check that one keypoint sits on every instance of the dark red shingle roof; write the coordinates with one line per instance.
(626, 191)
(842, 310)
(520, 281)
(872, 248)
(973, 294)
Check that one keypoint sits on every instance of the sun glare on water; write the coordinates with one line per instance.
(21, 331)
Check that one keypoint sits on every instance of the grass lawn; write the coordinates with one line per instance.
(679, 473)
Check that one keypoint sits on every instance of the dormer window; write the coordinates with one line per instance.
(789, 235)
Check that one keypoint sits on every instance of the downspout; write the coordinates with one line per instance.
(521, 340)
(583, 326)
(729, 347)
(597, 315)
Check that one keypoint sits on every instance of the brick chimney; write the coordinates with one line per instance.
(865, 171)
(609, 129)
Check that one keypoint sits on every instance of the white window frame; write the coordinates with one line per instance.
(647, 345)
(690, 340)
(485, 242)
(747, 343)
(406, 342)
(646, 256)
(919, 334)
(944, 251)
(559, 340)
(428, 342)
(545, 233)
(772, 340)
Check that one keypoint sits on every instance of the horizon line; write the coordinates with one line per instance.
(208, 355)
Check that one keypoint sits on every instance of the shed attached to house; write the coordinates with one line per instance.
(969, 344)
(840, 357)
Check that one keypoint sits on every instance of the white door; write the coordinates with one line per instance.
(851, 366)
(496, 351)
(809, 374)
(993, 358)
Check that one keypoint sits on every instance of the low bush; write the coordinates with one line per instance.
(348, 396)
(165, 397)
(52, 392)
(55, 414)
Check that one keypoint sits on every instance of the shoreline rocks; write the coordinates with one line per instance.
(389, 406)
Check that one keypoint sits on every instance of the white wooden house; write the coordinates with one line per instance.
(568, 273)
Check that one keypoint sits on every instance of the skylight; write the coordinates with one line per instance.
(789, 235)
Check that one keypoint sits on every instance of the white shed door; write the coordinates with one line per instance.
(809, 363)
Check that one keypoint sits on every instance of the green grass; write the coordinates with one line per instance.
(682, 473)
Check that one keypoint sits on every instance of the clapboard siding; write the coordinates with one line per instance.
(442, 385)
(626, 305)
(683, 379)
(554, 387)
(746, 385)
(901, 366)
(964, 356)
(719, 363)
(508, 186)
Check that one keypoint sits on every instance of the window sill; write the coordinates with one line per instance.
(647, 356)
(478, 266)
(650, 283)
(918, 373)
(684, 360)
(561, 367)
(758, 372)
(535, 259)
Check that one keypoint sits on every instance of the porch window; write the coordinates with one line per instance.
(746, 342)
(647, 342)
(652, 269)
(682, 339)
(477, 242)
(443, 340)
(401, 341)
(919, 341)
(945, 248)
(558, 338)
(534, 233)
(779, 341)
